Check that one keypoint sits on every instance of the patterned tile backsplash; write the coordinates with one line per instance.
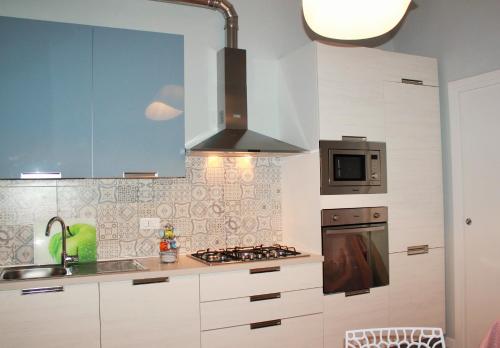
(221, 202)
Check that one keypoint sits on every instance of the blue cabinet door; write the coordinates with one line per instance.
(138, 94)
(45, 98)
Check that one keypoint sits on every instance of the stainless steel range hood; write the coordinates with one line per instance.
(234, 138)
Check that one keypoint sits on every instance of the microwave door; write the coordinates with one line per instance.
(348, 167)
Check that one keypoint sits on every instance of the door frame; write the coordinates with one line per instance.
(456, 232)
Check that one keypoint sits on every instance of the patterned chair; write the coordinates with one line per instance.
(396, 337)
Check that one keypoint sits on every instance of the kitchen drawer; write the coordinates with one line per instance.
(299, 332)
(246, 310)
(260, 280)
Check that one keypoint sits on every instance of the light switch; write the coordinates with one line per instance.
(149, 223)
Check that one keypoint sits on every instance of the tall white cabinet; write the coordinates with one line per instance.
(330, 92)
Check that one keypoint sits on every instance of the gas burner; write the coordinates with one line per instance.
(245, 254)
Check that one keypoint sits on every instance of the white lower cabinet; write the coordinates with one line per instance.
(298, 332)
(417, 289)
(263, 307)
(157, 312)
(343, 313)
(52, 317)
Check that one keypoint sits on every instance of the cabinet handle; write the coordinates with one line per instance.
(265, 270)
(263, 324)
(418, 250)
(412, 82)
(41, 175)
(357, 292)
(265, 297)
(140, 175)
(35, 291)
(150, 281)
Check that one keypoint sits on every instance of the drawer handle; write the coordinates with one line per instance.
(265, 270)
(265, 297)
(35, 291)
(357, 292)
(418, 250)
(263, 324)
(150, 281)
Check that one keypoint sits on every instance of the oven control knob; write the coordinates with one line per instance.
(376, 215)
(335, 218)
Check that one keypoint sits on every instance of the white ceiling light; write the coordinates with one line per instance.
(353, 19)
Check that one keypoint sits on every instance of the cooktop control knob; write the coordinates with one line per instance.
(376, 215)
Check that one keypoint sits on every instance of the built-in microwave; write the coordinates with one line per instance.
(351, 166)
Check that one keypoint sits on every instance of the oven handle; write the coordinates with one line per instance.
(356, 230)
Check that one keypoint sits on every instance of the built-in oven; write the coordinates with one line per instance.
(352, 165)
(355, 249)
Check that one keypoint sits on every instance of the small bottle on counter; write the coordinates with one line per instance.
(169, 247)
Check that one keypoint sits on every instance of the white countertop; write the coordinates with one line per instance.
(184, 266)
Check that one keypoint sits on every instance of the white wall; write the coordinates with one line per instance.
(268, 29)
(463, 35)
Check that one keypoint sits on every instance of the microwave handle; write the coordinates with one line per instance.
(356, 230)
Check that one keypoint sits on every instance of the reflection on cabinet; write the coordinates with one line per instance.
(88, 101)
(355, 312)
(417, 289)
(159, 313)
(45, 98)
(263, 307)
(138, 103)
(58, 318)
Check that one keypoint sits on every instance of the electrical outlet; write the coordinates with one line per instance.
(149, 223)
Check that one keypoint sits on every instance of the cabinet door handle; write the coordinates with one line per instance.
(140, 175)
(265, 297)
(35, 291)
(418, 250)
(412, 82)
(150, 281)
(357, 292)
(265, 270)
(263, 324)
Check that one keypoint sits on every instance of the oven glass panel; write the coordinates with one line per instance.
(354, 261)
(349, 167)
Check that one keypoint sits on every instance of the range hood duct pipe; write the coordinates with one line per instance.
(224, 7)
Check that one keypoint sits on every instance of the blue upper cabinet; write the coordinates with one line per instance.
(89, 101)
(45, 98)
(138, 80)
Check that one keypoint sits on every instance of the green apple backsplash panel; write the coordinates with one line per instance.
(81, 241)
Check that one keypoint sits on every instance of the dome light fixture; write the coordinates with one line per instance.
(353, 19)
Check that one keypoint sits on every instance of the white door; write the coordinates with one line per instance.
(475, 104)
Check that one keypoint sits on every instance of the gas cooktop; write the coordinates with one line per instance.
(246, 254)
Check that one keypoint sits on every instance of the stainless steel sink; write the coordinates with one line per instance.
(83, 269)
(33, 272)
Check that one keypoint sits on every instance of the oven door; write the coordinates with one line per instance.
(348, 167)
(356, 258)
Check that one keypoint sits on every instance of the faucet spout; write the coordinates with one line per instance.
(65, 258)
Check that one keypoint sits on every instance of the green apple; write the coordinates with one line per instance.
(80, 241)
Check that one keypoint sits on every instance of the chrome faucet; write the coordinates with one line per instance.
(65, 258)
